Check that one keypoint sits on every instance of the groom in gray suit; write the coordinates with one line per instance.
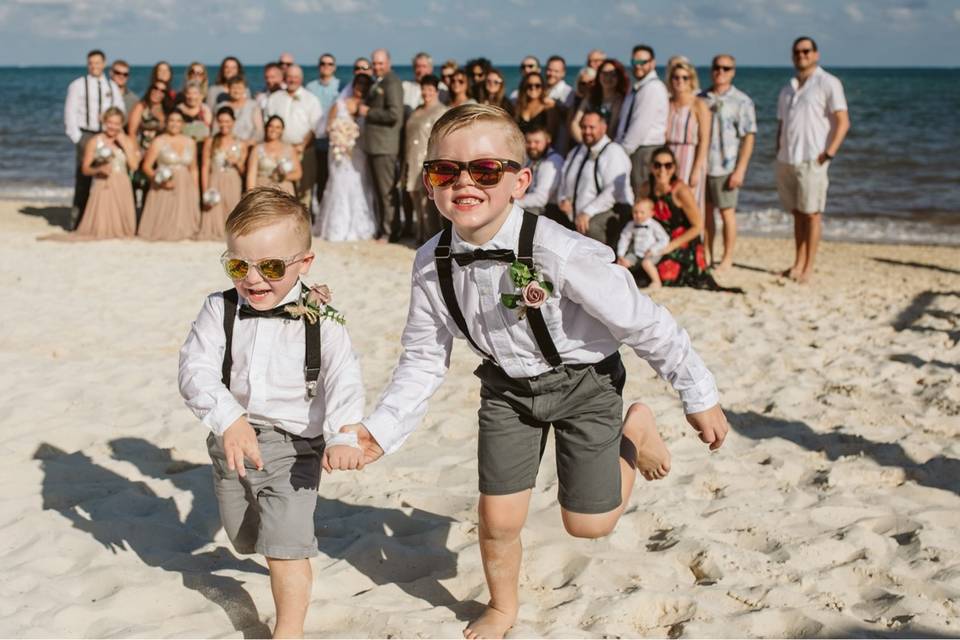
(383, 110)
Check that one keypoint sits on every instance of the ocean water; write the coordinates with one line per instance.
(897, 178)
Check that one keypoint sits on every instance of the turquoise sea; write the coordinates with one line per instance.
(897, 178)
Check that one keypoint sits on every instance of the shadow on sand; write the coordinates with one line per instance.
(386, 545)
(55, 216)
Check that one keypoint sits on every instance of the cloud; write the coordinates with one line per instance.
(629, 9)
(956, 15)
(900, 14)
(330, 6)
(854, 12)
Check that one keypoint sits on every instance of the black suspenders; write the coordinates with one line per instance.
(538, 325)
(596, 172)
(311, 358)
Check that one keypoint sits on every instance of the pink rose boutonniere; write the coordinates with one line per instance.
(534, 290)
(313, 306)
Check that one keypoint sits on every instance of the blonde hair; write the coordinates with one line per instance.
(468, 115)
(264, 206)
(110, 112)
(686, 66)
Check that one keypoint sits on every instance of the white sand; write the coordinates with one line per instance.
(832, 510)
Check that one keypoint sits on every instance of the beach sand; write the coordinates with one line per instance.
(832, 510)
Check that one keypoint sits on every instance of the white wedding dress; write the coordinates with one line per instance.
(347, 207)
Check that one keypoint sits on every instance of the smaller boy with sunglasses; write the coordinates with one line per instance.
(270, 371)
(547, 310)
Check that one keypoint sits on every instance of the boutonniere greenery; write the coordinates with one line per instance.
(533, 289)
(313, 307)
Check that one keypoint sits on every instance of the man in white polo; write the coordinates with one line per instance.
(301, 112)
(812, 111)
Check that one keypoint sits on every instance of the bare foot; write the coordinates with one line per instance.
(492, 623)
(723, 266)
(804, 278)
(790, 273)
(653, 457)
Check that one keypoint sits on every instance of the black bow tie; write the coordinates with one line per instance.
(246, 311)
(498, 255)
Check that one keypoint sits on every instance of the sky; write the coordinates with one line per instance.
(757, 32)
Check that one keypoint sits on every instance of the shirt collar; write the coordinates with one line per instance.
(601, 143)
(506, 238)
(647, 79)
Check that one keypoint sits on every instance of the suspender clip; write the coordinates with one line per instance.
(311, 376)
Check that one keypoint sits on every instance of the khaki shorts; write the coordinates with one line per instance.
(719, 195)
(270, 512)
(803, 187)
(586, 410)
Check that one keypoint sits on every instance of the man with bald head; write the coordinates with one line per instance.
(383, 110)
(300, 111)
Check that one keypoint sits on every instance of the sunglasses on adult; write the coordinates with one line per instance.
(485, 172)
(360, 68)
(662, 165)
(802, 52)
(723, 68)
(122, 74)
(269, 268)
(639, 62)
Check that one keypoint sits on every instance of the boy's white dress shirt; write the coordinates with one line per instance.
(577, 182)
(266, 380)
(640, 238)
(595, 308)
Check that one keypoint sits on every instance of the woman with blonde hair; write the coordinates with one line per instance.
(495, 91)
(688, 127)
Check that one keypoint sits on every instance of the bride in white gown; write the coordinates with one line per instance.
(347, 207)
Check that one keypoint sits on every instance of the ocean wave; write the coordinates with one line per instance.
(36, 193)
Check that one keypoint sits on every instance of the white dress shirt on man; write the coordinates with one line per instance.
(87, 98)
(804, 114)
(561, 93)
(266, 379)
(546, 181)
(595, 308)
(300, 112)
(647, 107)
(581, 172)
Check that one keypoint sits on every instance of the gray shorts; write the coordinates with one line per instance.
(719, 195)
(270, 512)
(585, 407)
(803, 187)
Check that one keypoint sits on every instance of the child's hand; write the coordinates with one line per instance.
(239, 441)
(711, 425)
(623, 262)
(372, 451)
(342, 457)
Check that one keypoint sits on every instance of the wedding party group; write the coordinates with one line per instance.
(642, 164)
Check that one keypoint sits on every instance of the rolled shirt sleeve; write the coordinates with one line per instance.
(639, 323)
(342, 384)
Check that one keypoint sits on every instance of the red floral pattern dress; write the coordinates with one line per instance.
(684, 266)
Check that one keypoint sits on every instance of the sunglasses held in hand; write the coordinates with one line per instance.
(269, 268)
(485, 172)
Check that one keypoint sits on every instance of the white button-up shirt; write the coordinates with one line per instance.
(266, 379)
(643, 119)
(804, 112)
(561, 93)
(578, 183)
(641, 238)
(300, 112)
(87, 99)
(546, 181)
(595, 307)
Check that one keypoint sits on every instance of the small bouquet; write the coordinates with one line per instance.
(533, 289)
(211, 197)
(284, 167)
(163, 175)
(102, 156)
(343, 137)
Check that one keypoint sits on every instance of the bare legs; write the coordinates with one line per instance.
(729, 217)
(806, 232)
(651, 270)
(290, 582)
(502, 519)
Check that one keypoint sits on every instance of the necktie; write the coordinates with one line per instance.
(246, 311)
(497, 255)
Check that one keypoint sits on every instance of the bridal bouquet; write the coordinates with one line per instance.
(211, 197)
(163, 175)
(102, 156)
(284, 167)
(343, 137)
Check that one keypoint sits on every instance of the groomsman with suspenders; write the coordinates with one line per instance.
(87, 98)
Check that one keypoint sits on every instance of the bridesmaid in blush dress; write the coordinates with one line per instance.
(172, 210)
(224, 158)
(273, 162)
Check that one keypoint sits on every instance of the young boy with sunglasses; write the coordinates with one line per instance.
(547, 309)
(271, 372)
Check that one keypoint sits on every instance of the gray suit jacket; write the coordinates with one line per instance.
(384, 121)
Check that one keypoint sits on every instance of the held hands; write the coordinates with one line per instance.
(239, 442)
(368, 452)
(711, 425)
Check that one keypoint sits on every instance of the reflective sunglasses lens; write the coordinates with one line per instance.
(486, 173)
(442, 174)
(272, 269)
(235, 268)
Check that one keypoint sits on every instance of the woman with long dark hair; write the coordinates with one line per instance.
(221, 178)
(606, 97)
(534, 109)
(230, 67)
(495, 91)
